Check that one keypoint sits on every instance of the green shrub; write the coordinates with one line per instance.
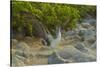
(51, 15)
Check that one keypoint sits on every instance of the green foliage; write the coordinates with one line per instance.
(87, 10)
(51, 15)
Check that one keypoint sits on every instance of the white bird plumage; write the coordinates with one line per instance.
(56, 41)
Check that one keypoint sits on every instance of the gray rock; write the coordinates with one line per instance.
(14, 42)
(72, 53)
(17, 62)
(22, 46)
(54, 60)
(87, 34)
(23, 49)
(81, 46)
(90, 21)
(70, 33)
(85, 25)
(93, 46)
(21, 53)
(79, 27)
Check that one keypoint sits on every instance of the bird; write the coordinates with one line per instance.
(40, 30)
(55, 41)
(52, 41)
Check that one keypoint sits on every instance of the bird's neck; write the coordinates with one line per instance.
(59, 34)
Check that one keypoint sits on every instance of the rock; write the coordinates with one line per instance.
(22, 46)
(92, 28)
(93, 46)
(21, 53)
(90, 21)
(19, 36)
(92, 40)
(80, 46)
(23, 49)
(14, 43)
(79, 27)
(17, 62)
(54, 60)
(70, 33)
(89, 43)
(72, 54)
(87, 34)
(29, 40)
(85, 25)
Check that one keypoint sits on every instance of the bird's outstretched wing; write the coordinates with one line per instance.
(38, 28)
